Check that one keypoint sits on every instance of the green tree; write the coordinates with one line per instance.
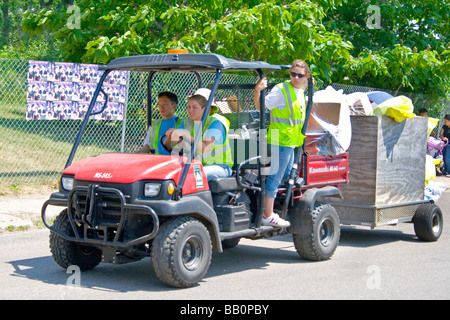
(380, 24)
(400, 69)
(398, 45)
(275, 31)
(14, 43)
(391, 44)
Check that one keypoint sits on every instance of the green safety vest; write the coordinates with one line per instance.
(154, 136)
(217, 154)
(285, 127)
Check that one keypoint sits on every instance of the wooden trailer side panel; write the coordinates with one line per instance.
(386, 161)
(402, 149)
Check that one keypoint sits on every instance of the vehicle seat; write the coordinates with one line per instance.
(219, 185)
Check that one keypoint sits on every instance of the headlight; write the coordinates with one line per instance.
(67, 183)
(152, 189)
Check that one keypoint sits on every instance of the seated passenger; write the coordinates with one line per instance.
(167, 103)
(214, 111)
(213, 147)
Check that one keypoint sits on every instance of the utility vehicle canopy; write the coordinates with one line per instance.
(200, 62)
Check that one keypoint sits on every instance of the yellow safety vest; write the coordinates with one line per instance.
(155, 135)
(217, 154)
(225, 121)
(289, 121)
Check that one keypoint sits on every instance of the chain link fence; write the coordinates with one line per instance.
(34, 152)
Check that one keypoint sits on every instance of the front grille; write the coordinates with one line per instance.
(107, 205)
(98, 212)
(101, 215)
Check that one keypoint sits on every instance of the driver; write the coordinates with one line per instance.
(214, 146)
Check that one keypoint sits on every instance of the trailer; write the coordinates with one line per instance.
(387, 177)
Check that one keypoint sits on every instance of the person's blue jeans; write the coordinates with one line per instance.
(446, 157)
(280, 169)
(213, 171)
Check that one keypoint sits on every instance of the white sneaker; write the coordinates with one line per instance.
(275, 220)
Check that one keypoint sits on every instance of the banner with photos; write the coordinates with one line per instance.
(61, 90)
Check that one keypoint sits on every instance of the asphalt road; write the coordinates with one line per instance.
(384, 263)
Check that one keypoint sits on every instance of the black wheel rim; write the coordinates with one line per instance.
(326, 232)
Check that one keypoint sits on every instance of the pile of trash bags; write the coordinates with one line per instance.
(331, 130)
(434, 190)
(334, 133)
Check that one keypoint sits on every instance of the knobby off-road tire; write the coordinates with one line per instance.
(181, 252)
(67, 253)
(322, 232)
(428, 222)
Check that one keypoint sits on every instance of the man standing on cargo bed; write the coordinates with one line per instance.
(286, 102)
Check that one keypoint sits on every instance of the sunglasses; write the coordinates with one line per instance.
(297, 75)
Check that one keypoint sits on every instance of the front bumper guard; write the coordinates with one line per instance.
(90, 217)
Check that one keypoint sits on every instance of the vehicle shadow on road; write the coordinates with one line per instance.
(364, 238)
(252, 257)
(248, 255)
(140, 276)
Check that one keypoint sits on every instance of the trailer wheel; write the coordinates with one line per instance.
(321, 233)
(428, 222)
(67, 253)
(181, 252)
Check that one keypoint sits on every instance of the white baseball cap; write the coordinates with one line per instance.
(205, 93)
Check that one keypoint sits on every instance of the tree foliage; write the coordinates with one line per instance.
(415, 24)
(14, 43)
(273, 30)
(400, 69)
(406, 49)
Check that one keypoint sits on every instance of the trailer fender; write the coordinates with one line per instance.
(305, 205)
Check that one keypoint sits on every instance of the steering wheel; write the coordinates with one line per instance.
(169, 150)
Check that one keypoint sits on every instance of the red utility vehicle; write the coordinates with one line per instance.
(122, 207)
